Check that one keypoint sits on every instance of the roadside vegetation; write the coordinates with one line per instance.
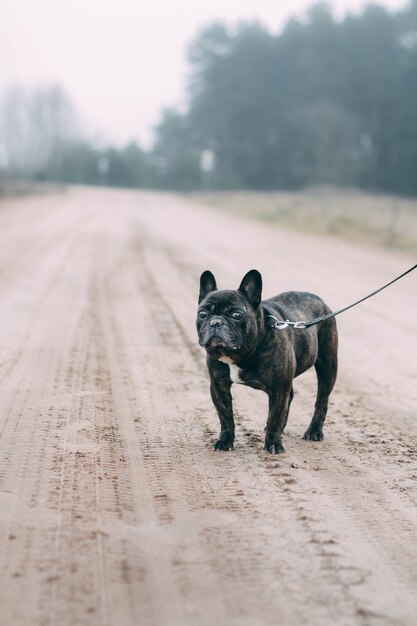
(381, 220)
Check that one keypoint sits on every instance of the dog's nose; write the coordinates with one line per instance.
(216, 321)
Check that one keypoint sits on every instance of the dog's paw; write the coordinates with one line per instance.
(274, 446)
(313, 434)
(224, 442)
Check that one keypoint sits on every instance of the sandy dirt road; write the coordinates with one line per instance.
(114, 509)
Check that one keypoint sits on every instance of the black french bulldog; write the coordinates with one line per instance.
(242, 345)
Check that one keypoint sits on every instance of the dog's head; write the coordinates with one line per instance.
(227, 320)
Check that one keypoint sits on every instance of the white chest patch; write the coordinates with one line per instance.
(234, 370)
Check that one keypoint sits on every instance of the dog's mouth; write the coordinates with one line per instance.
(216, 347)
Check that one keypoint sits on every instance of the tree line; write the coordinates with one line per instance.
(324, 101)
(41, 138)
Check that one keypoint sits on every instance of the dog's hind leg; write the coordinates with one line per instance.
(326, 370)
(289, 405)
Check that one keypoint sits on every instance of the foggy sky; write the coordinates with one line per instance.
(121, 61)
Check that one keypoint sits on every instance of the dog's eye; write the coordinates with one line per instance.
(236, 315)
(202, 314)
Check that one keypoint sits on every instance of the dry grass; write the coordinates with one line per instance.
(15, 188)
(385, 221)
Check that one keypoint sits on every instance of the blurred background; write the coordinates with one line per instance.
(238, 95)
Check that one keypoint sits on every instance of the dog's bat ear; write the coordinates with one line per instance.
(207, 284)
(251, 287)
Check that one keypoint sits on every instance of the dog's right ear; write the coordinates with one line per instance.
(207, 284)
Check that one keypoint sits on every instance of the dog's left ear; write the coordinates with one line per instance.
(251, 287)
(207, 284)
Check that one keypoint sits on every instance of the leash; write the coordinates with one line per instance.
(280, 324)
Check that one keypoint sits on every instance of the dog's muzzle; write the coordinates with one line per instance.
(217, 339)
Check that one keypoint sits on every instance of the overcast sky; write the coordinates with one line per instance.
(121, 61)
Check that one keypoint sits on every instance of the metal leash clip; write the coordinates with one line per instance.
(280, 325)
(300, 324)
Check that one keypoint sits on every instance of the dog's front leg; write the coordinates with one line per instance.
(279, 400)
(222, 400)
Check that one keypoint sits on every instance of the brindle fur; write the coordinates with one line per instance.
(268, 359)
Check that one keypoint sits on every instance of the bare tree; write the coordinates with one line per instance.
(35, 127)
